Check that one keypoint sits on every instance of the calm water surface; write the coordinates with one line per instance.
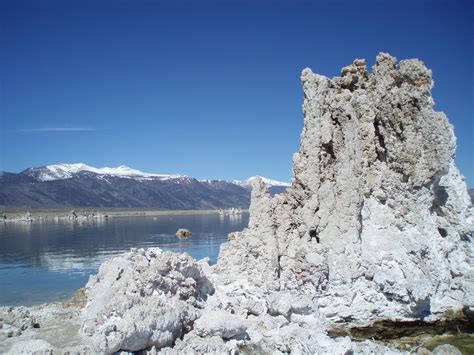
(44, 262)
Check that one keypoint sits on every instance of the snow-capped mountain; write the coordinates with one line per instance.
(268, 182)
(81, 185)
(67, 171)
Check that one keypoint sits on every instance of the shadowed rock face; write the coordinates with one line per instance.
(377, 222)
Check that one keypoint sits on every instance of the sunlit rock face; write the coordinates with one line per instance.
(376, 226)
(142, 299)
(377, 222)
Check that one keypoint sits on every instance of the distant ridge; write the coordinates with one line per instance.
(67, 171)
(81, 185)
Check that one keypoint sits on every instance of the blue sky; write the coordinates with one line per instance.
(205, 88)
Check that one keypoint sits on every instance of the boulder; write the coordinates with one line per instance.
(183, 233)
(142, 299)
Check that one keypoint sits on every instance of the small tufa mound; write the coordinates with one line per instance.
(184, 233)
(142, 299)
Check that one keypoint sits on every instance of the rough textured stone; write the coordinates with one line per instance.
(55, 323)
(184, 233)
(32, 346)
(143, 299)
(220, 323)
(17, 319)
(376, 224)
(446, 349)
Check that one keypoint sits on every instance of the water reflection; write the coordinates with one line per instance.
(46, 261)
(235, 219)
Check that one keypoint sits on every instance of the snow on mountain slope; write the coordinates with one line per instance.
(268, 182)
(67, 171)
(81, 185)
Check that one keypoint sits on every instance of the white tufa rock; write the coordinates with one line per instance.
(376, 226)
(220, 323)
(31, 346)
(143, 299)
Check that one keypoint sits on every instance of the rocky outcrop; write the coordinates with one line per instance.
(143, 299)
(184, 233)
(376, 226)
(377, 222)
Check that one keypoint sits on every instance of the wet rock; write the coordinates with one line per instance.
(183, 233)
(446, 349)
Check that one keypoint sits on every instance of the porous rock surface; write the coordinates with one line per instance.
(377, 223)
(35, 346)
(42, 329)
(143, 298)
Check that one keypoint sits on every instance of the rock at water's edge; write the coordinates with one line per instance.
(142, 299)
(376, 226)
(183, 233)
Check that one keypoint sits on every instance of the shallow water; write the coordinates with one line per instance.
(463, 341)
(48, 261)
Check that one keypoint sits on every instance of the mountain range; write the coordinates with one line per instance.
(83, 186)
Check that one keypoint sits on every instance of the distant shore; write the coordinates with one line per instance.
(14, 213)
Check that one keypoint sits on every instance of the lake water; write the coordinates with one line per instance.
(49, 261)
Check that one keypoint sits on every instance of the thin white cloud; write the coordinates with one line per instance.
(57, 129)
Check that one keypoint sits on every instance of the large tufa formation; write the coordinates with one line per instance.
(377, 222)
(376, 226)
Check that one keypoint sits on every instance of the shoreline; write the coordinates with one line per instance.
(42, 321)
(14, 214)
